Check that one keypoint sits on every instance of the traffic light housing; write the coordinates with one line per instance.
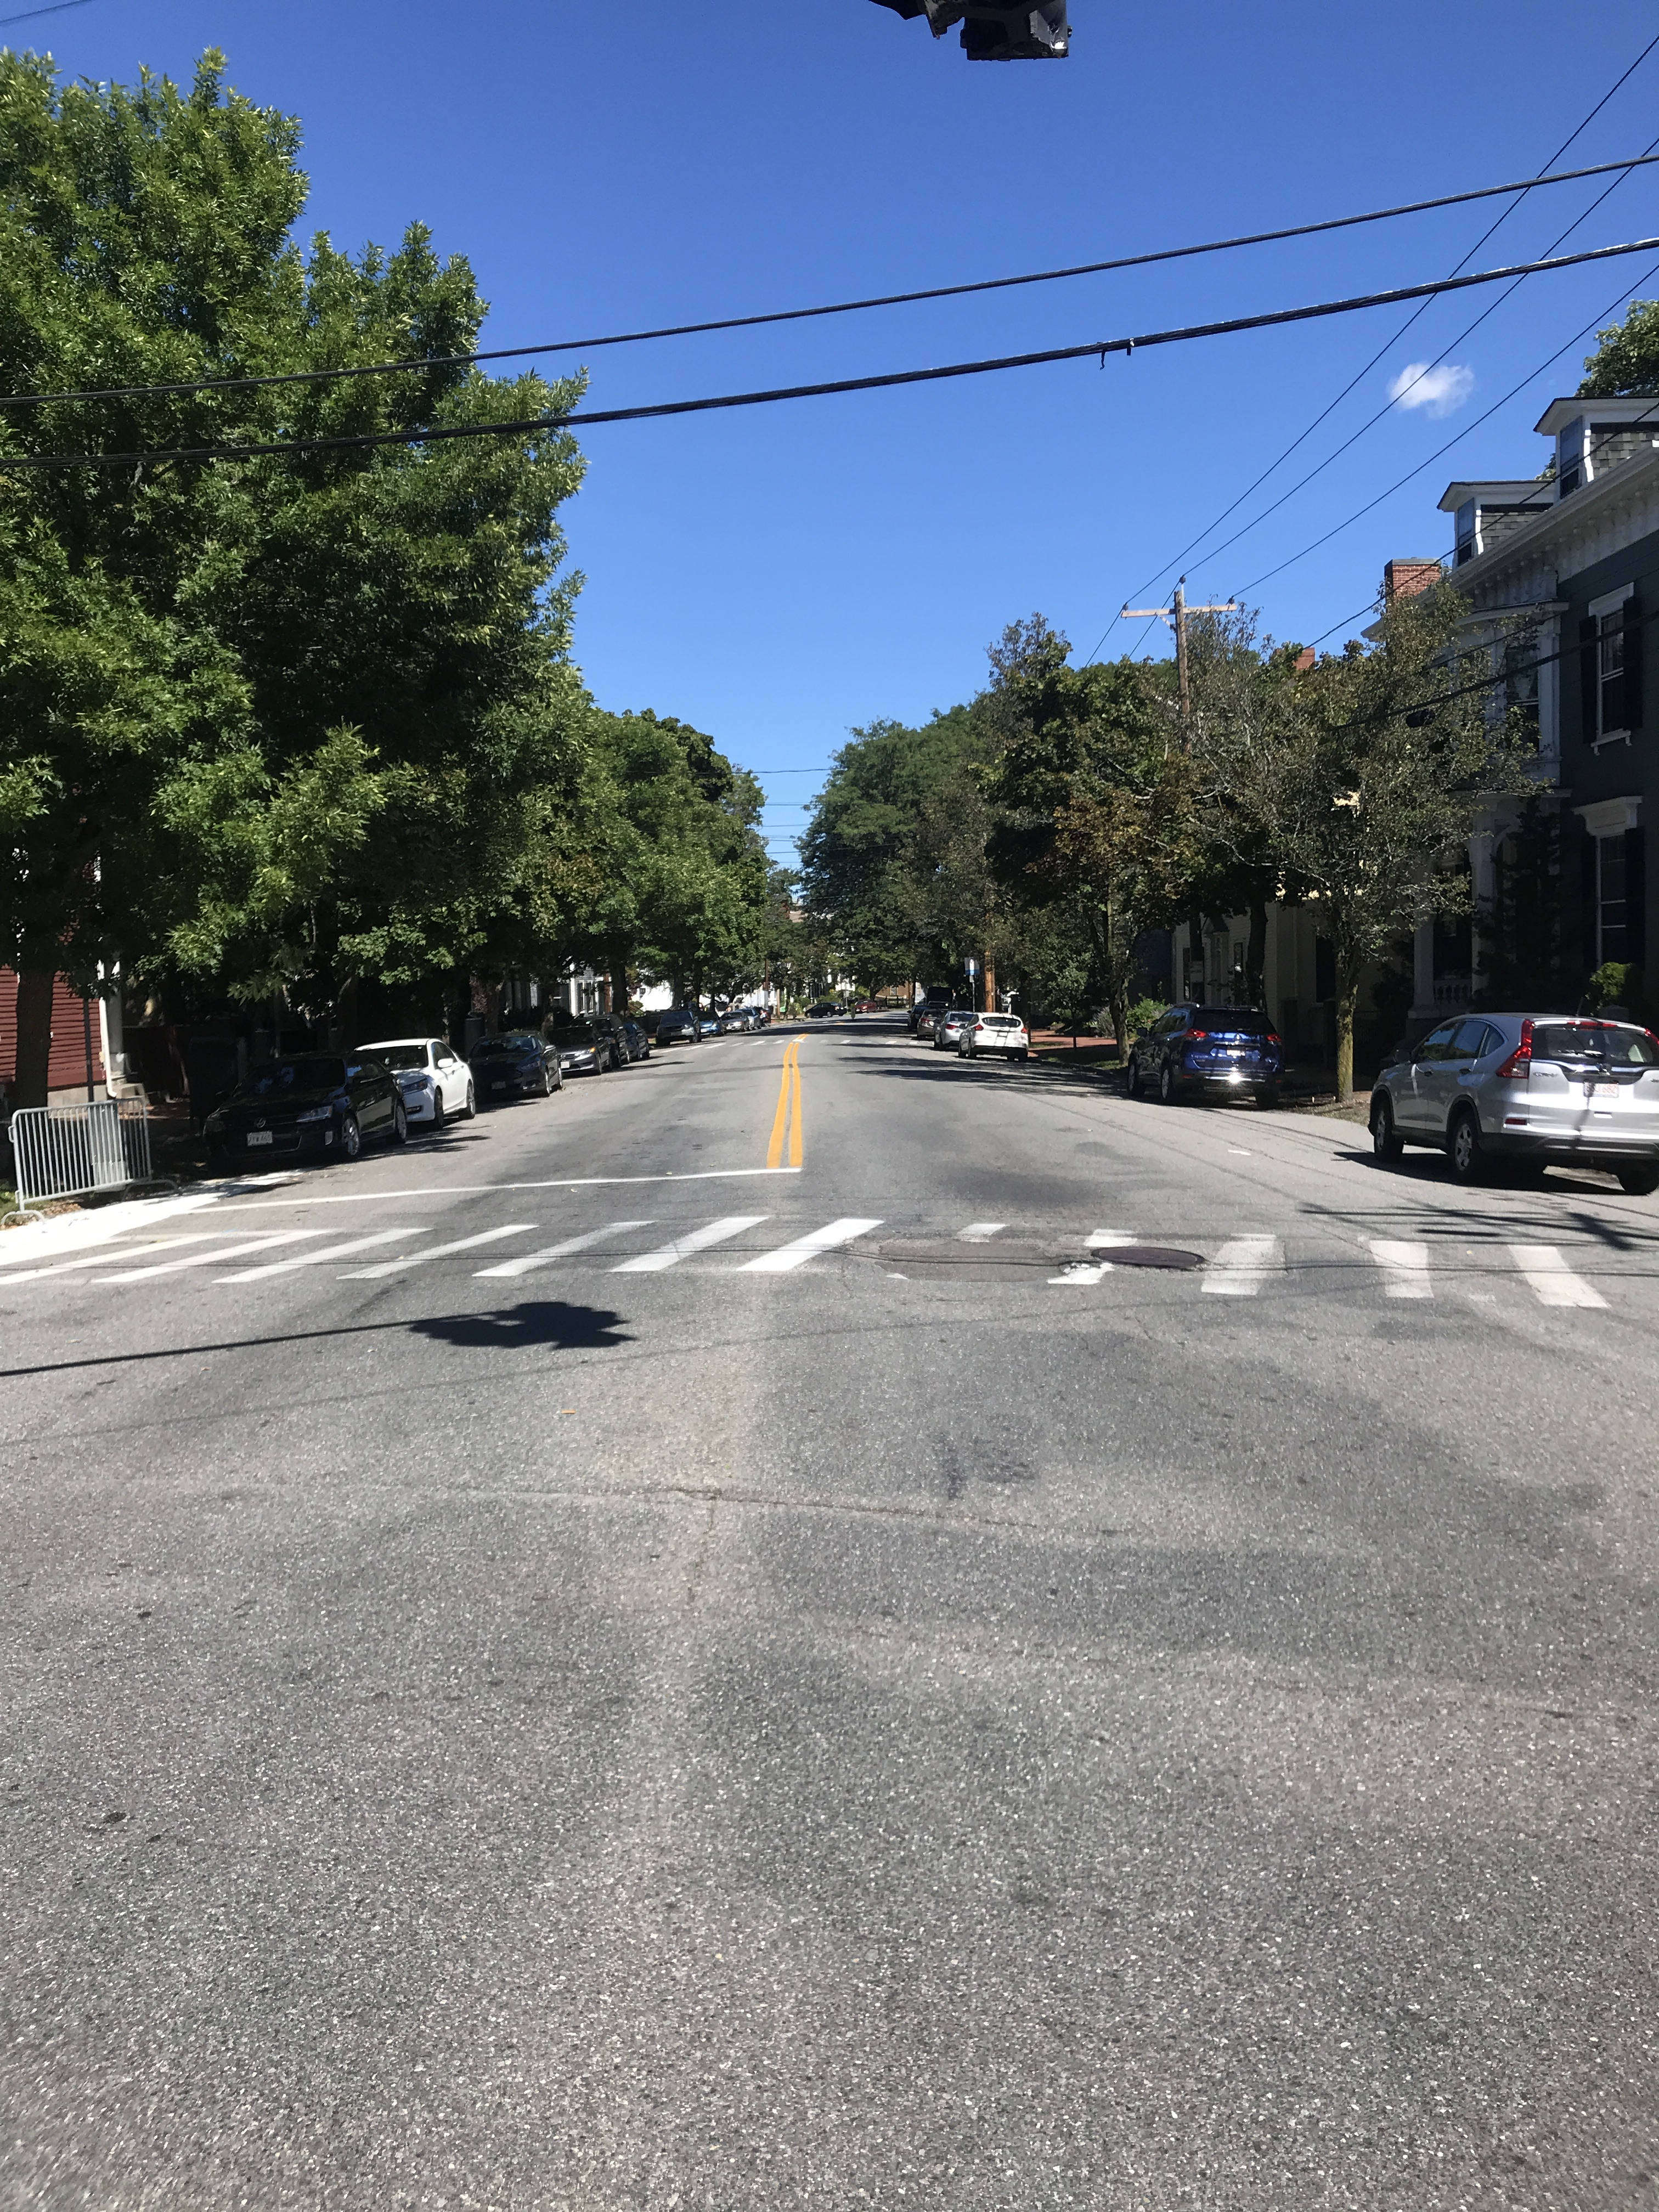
(1037, 31)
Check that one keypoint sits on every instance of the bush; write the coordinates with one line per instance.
(1143, 1014)
(1615, 983)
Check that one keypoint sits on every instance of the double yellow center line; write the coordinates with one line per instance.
(785, 1123)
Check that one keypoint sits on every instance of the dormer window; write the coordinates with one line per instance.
(1466, 547)
(1570, 457)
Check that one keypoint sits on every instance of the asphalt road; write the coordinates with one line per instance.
(954, 1720)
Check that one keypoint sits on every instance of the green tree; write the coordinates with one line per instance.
(1626, 357)
(292, 720)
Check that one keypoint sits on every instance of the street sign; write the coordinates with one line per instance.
(972, 967)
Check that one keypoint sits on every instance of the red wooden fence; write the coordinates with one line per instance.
(74, 1061)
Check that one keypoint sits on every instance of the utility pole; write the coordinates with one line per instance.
(1176, 615)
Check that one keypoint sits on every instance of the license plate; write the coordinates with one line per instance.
(1604, 1091)
(498, 1086)
(259, 1137)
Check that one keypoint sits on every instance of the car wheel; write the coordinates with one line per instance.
(1269, 1097)
(470, 1109)
(439, 1116)
(1464, 1149)
(351, 1137)
(1133, 1083)
(1166, 1085)
(547, 1082)
(1022, 1057)
(399, 1124)
(1638, 1182)
(1387, 1143)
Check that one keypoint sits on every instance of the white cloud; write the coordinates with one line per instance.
(1440, 389)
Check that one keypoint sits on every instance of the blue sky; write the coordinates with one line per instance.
(780, 575)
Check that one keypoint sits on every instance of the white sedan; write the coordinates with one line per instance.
(1002, 1033)
(435, 1082)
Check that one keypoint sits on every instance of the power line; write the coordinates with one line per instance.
(29, 14)
(537, 424)
(1326, 413)
(428, 362)
(1577, 339)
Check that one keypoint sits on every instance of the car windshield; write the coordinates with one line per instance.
(1228, 1021)
(1629, 1047)
(284, 1075)
(515, 1042)
(397, 1056)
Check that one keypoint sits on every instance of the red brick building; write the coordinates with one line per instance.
(77, 1066)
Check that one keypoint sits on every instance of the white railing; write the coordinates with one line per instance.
(66, 1152)
(1451, 994)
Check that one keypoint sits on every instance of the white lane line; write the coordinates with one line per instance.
(526, 1260)
(102, 1257)
(437, 1252)
(1102, 1240)
(1240, 1268)
(212, 1258)
(979, 1232)
(1552, 1281)
(1405, 1267)
(699, 1240)
(803, 1249)
(316, 1259)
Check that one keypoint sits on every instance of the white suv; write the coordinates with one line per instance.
(1002, 1033)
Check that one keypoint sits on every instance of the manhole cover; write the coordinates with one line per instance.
(1149, 1255)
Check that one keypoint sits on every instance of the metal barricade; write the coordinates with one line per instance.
(66, 1152)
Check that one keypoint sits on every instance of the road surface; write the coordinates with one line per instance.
(567, 1667)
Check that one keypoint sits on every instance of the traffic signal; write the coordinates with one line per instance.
(1038, 31)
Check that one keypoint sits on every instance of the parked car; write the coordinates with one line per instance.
(947, 1029)
(822, 1011)
(583, 1044)
(435, 1082)
(1226, 1052)
(936, 1002)
(637, 1044)
(679, 1026)
(310, 1107)
(1002, 1033)
(927, 1020)
(514, 1064)
(1521, 1091)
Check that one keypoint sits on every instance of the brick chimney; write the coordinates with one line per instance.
(1404, 580)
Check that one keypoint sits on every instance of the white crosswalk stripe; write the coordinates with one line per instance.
(698, 1240)
(1081, 1272)
(104, 1256)
(526, 1260)
(212, 1258)
(1240, 1268)
(316, 1259)
(803, 1249)
(1405, 1267)
(979, 1232)
(1552, 1281)
(436, 1252)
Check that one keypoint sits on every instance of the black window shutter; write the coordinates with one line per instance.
(1588, 679)
(1587, 898)
(1636, 931)
(1633, 636)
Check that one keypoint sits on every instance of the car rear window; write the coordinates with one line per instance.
(1594, 1041)
(998, 1022)
(1228, 1021)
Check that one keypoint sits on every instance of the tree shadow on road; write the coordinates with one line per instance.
(542, 1323)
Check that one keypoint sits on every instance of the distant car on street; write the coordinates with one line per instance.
(585, 1044)
(1521, 1091)
(1002, 1033)
(947, 1029)
(1220, 1052)
(822, 1011)
(679, 1026)
(435, 1081)
(936, 1002)
(314, 1106)
(515, 1064)
(638, 1044)
(927, 1021)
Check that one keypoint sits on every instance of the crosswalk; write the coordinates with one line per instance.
(1247, 1264)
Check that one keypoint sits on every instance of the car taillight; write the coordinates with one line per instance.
(1196, 1036)
(1518, 1067)
(1272, 1037)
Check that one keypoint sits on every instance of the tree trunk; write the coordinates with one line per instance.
(618, 985)
(990, 1006)
(1255, 957)
(34, 1034)
(1347, 999)
(1195, 984)
(1117, 1005)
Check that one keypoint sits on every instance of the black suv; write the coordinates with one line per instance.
(587, 1044)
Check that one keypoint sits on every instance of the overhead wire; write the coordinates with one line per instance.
(428, 363)
(531, 426)
(29, 14)
(1303, 435)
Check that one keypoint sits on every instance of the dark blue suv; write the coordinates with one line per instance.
(1222, 1051)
